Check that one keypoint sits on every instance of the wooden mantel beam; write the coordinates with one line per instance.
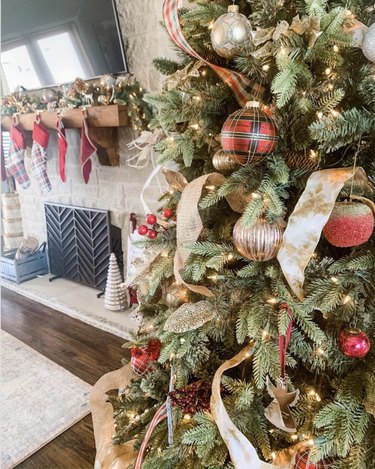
(103, 122)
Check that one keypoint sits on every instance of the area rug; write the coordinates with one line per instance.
(39, 401)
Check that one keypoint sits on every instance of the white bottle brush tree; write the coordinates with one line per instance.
(115, 295)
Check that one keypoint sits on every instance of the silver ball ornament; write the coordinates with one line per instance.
(368, 45)
(230, 33)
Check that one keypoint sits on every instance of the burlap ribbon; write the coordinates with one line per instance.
(242, 452)
(189, 223)
(109, 456)
(306, 223)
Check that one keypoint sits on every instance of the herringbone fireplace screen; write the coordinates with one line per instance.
(79, 243)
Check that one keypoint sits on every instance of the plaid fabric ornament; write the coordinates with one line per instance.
(14, 162)
(302, 461)
(143, 357)
(87, 150)
(39, 157)
(249, 134)
(63, 145)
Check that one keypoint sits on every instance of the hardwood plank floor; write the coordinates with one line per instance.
(82, 349)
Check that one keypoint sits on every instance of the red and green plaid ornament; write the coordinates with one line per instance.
(142, 358)
(249, 134)
(302, 461)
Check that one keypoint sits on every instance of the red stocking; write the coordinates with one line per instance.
(39, 156)
(87, 150)
(63, 145)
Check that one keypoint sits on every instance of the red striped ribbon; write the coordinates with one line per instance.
(160, 415)
(243, 88)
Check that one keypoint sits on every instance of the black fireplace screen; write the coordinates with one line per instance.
(79, 243)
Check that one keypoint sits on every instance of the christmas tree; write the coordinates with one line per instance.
(269, 268)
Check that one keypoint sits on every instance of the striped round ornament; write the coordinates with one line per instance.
(249, 134)
(222, 162)
(302, 461)
(258, 242)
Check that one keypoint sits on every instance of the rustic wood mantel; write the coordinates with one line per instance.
(103, 121)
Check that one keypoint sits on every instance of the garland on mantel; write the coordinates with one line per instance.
(101, 91)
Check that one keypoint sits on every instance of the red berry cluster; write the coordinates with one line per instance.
(144, 230)
(191, 399)
(151, 219)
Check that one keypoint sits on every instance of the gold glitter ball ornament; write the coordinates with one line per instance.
(222, 162)
(230, 33)
(368, 45)
(258, 242)
(176, 295)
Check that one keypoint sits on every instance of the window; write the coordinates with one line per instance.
(61, 57)
(54, 57)
(18, 68)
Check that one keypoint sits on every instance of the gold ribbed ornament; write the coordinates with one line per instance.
(176, 295)
(258, 242)
(222, 162)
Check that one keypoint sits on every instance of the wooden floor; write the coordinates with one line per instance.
(85, 351)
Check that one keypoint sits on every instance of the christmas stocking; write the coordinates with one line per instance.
(39, 156)
(87, 150)
(63, 145)
(14, 162)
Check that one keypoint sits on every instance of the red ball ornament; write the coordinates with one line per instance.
(167, 212)
(152, 234)
(142, 358)
(151, 219)
(249, 134)
(350, 224)
(302, 461)
(143, 230)
(354, 343)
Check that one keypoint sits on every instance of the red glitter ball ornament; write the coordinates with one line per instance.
(350, 224)
(151, 219)
(143, 230)
(249, 134)
(152, 234)
(167, 212)
(354, 343)
(302, 461)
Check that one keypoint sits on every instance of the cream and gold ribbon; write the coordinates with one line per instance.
(108, 455)
(307, 221)
(242, 452)
(189, 223)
